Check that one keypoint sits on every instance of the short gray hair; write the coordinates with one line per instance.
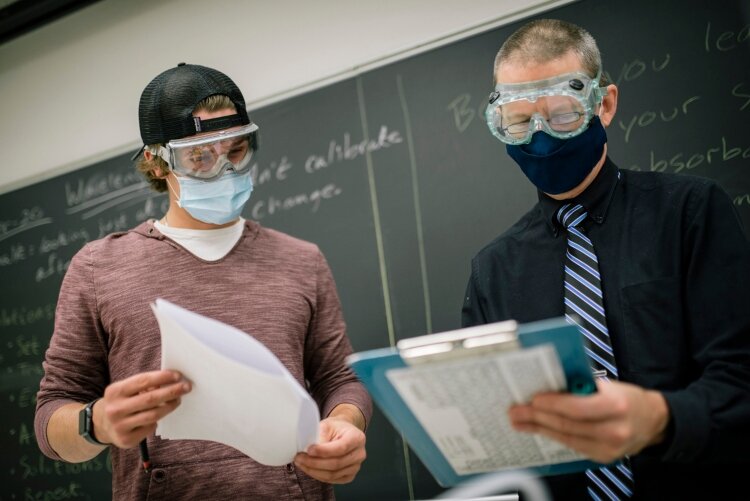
(544, 40)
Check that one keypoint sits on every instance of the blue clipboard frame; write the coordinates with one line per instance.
(371, 367)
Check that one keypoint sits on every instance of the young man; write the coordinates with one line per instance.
(104, 356)
(653, 268)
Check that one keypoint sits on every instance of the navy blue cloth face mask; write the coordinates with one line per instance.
(558, 165)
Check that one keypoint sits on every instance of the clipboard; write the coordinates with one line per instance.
(459, 369)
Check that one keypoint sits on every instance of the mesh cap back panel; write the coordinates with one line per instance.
(167, 103)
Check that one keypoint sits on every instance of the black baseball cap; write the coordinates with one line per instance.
(165, 111)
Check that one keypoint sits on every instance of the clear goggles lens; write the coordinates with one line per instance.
(561, 106)
(207, 157)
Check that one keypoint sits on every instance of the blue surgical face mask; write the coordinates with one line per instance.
(215, 202)
(558, 165)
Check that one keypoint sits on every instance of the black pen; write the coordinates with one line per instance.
(144, 456)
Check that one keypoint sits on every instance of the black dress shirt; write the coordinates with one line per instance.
(675, 269)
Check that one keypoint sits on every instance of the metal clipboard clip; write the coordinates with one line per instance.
(489, 338)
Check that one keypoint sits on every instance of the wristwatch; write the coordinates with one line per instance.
(86, 423)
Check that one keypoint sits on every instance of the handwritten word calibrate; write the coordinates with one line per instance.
(349, 151)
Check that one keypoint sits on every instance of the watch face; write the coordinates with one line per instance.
(82, 421)
(86, 425)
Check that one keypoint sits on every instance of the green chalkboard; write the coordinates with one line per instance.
(395, 176)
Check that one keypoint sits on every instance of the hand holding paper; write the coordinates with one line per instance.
(242, 395)
(340, 453)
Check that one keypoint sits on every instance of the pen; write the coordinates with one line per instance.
(144, 456)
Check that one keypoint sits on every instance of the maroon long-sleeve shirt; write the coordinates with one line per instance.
(274, 287)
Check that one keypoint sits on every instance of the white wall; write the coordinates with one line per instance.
(70, 90)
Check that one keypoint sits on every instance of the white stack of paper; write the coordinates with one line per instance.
(242, 395)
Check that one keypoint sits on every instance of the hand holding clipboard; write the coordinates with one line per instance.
(448, 394)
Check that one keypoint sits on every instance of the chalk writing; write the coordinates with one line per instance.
(85, 193)
(276, 171)
(28, 219)
(736, 93)
(54, 266)
(726, 40)
(636, 68)
(63, 239)
(25, 434)
(742, 199)
(648, 117)
(24, 369)
(28, 346)
(463, 114)
(15, 254)
(107, 226)
(36, 465)
(313, 199)
(348, 151)
(154, 207)
(102, 192)
(24, 316)
(24, 398)
(70, 491)
(122, 201)
(681, 161)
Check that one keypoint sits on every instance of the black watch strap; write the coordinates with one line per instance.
(86, 423)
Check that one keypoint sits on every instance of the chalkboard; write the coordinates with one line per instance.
(394, 175)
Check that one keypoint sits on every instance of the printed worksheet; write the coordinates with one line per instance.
(462, 404)
(242, 395)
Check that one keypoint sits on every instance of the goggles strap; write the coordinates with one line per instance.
(160, 152)
(215, 123)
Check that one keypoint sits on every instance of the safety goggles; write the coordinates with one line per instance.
(561, 106)
(208, 156)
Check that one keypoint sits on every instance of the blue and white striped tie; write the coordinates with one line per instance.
(584, 305)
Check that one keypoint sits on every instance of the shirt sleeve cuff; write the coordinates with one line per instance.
(690, 428)
(352, 393)
(41, 422)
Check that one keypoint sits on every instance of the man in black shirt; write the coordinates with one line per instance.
(673, 268)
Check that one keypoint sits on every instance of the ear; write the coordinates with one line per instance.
(609, 105)
(157, 171)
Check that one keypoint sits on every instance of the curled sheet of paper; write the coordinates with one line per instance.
(242, 395)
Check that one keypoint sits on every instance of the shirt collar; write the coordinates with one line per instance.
(596, 198)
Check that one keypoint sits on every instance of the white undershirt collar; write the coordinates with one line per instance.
(209, 245)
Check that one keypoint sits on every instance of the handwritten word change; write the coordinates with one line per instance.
(313, 199)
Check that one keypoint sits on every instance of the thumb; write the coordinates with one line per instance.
(326, 432)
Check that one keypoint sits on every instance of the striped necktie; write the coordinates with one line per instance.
(584, 306)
